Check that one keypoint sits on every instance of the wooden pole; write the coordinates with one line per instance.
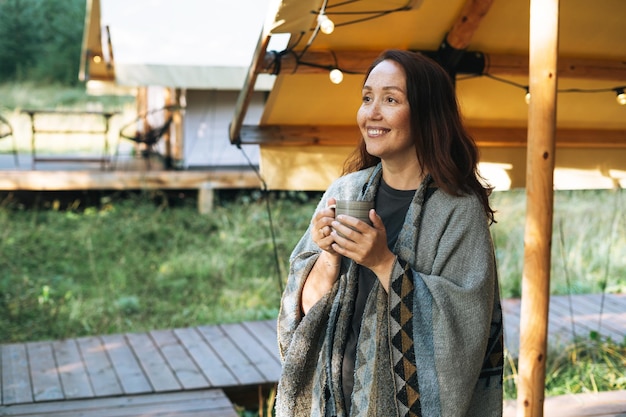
(467, 23)
(179, 115)
(543, 51)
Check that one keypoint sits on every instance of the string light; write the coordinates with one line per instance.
(336, 76)
(619, 91)
(327, 26)
(620, 96)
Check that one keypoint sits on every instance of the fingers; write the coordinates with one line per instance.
(357, 240)
(324, 231)
(321, 230)
(346, 224)
(321, 224)
(377, 222)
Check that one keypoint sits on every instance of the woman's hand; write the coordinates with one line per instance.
(364, 244)
(320, 227)
(326, 269)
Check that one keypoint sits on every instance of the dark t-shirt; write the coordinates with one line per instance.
(391, 205)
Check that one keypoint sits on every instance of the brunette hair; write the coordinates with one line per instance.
(444, 147)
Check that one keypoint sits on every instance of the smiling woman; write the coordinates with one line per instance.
(365, 314)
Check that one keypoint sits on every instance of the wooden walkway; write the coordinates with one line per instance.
(136, 373)
(563, 326)
(200, 371)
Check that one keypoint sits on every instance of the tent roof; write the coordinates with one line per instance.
(492, 38)
(204, 44)
(592, 42)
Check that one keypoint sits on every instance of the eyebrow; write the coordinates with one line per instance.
(388, 88)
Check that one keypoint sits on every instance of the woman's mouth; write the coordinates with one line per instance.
(375, 131)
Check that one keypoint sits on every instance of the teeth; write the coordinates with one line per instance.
(376, 131)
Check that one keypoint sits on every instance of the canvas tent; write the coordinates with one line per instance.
(312, 120)
(193, 51)
(205, 48)
(572, 134)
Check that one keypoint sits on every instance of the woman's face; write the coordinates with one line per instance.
(384, 115)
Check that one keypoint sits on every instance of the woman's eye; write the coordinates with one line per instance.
(366, 99)
(391, 100)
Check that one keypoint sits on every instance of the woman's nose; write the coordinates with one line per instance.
(373, 110)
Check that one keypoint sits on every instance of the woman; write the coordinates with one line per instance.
(401, 318)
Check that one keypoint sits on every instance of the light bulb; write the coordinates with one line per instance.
(327, 26)
(621, 96)
(527, 96)
(336, 76)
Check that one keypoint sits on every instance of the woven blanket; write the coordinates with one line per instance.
(432, 346)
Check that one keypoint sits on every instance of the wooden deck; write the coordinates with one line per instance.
(71, 180)
(140, 370)
(200, 371)
(563, 326)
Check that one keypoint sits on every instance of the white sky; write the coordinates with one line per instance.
(221, 33)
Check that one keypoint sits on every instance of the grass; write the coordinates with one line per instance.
(586, 366)
(138, 263)
(588, 241)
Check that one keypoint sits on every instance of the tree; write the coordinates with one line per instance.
(40, 40)
(18, 39)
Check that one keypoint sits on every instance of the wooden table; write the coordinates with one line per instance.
(102, 158)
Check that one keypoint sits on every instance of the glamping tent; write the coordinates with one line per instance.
(484, 43)
(193, 54)
(571, 133)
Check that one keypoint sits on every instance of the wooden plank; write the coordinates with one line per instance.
(262, 359)
(567, 322)
(238, 364)
(16, 386)
(179, 360)
(495, 64)
(584, 320)
(265, 332)
(601, 404)
(102, 376)
(593, 303)
(615, 303)
(71, 369)
(43, 372)
(589, 311)
(214, 370)
(245, 95)
(154, 365)
(485, 136)
(208, 403)
(126, 367)
(128, 180)
(467, 23)
(559, 326)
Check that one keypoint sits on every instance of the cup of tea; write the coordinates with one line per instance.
(354, 208)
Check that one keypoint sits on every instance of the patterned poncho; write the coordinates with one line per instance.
(432, 346)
